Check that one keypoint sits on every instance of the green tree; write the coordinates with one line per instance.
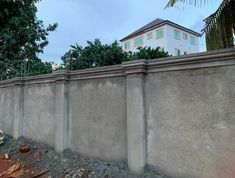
(36, 67)
(96, 54)
(148, 53)
(220, 26)
(22, 37)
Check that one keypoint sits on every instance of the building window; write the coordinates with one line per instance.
(160, 33)
(192, 40)
(185, 36)
(149, 35)
(177, 34)
(177, 52)
(127, 45)
(138, 41)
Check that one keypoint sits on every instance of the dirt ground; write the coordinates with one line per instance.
(27, 159)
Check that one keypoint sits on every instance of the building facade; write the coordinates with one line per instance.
(170, 37)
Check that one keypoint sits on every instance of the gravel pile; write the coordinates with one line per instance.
(68, 164)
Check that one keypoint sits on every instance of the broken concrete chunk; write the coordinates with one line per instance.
(24, 148)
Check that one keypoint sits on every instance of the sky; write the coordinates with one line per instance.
(109, 20)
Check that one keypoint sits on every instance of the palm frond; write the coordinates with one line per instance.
(219, 26)
(213, 18)
(171, 3)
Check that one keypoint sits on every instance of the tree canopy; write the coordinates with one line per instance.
(147, 53)
(96, 54)
(22, 37)
(219, 26)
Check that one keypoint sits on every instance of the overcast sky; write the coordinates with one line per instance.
(84, 20)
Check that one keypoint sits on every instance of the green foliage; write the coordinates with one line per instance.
(95, 54)
(22, 37)
(148, 53)
(36, 67)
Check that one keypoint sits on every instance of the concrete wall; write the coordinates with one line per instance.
(6, 116)
(175, 114)
(39, 120)
(98, 117)
(191, 122)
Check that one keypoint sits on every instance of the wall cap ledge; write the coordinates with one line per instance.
(12, 82)
(62, 75)
(101, 72)
(18, 81)
(135, 67)
(192, 61)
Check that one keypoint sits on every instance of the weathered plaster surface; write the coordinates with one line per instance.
(191, 121)
(98, 118)
(6, 117)
(38, 115)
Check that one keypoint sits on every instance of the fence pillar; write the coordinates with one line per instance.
(136, 139)
(61, 111)
(18, 106)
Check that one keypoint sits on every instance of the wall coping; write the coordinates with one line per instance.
(217, 58)
(192, 61)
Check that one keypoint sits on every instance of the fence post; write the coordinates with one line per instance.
(136, 139)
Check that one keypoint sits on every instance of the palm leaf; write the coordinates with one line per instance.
(220, 26)
(171, 3)
(213, 18)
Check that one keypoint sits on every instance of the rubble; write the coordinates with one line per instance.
(40, 160)
(82, 172)
(14, 169)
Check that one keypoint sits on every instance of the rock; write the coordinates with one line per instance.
(56, 157)
(49, 154)
(38, 155)
(74, 176)
(24, 148)
(64, 161)
(79, 173)
(6, 157)
(67, 176)
(115, 169)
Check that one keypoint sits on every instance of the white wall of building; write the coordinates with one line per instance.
(153, 42)
(167, 42)
(181, 44)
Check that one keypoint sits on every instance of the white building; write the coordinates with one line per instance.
(173, 38)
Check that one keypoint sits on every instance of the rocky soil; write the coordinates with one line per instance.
(43, 159)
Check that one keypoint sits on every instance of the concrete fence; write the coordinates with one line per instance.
(176, 114)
